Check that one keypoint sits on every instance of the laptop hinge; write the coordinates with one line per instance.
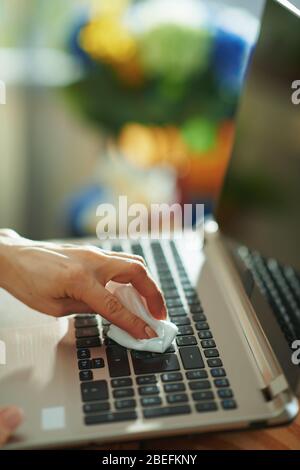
(275, 388)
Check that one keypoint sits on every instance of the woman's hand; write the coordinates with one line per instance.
(10, 418)
(60, 279)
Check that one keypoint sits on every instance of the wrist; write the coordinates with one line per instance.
(6, 256)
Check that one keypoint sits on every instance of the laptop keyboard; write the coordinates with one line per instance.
(189, 376)
(281, 286)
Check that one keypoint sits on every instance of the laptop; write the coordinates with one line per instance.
(236, 300)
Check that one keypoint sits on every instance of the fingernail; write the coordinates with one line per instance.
(149, 332)
(11, 417)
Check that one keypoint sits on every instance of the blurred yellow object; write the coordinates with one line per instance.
(110, 7)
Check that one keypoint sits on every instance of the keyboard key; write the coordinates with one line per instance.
(97, 363)
(225, 393)
(171, 377)
(151, 401)
(177, 398)
(110, 417)
(202, 396)
(185, 330)
(125, 404)
(180, 321)
(174, 303)
(94, 391)
(200, 385)
(93, 342)
(117, 359)
(220, 383)
(229, 404)
(206, 407)
(186, 340)
(199, 317)
(191, 357)
(85, 375)
(84, 364)
(195, 308)
(208, 343)
(204, 334)
(177, 312)
(166, 411)
(96, 407)
(125, 382)
(171, 293)
(211, 353)
(83, 353)
(85, 322)
(123, 393)
(215, 362)
(146, 379)
(174, 387)
(148, 390)
(220, 372)
(86, 332)
(160, 363)
(196, 374)
(202, 325)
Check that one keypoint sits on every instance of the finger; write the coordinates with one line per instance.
(10, 418)
(124, 255)
(70, 306)
(136, 274)
(107, 305)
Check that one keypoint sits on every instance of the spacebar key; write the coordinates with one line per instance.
(161, 363)
(191, 357)
(166, 411)
(110, 417)
(117, 361)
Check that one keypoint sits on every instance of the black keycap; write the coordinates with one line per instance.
(191, 357)
(220, 372)
(125, 404)
(167, 284)
(110, 417)
(195, 307)
(225, 393)
(88, 342)
(206, 407)
(151, 401)
(202, 396)
(97, 363)
(166, 411)
(96, 407)
(171, 294)
(170, 349)
(186, 340)
(86, 332)
(177, 312)
(211, 353)
(123, 393)
(159, 363)
(83, 354)
(148, 390)
(199, 317)
(202, 325)
(85, 322)
(205, 334)
(185, 330)
(85, 375)
(208, 343)
(196, 374)
(174, 387)
(146, 379)
(117, 361)
(229, 404)
(84, 364)
(125, 382)
(215, 362)
(177, 398)
(171, 377)
(94, 391)
(220, 383)
(181, 321)
(174, 303)
(110, 342)
(200, 385)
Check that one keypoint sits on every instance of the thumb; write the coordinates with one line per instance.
(10, 418)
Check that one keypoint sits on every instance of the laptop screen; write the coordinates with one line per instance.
(260, 202)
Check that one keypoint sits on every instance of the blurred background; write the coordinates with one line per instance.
(116, 97)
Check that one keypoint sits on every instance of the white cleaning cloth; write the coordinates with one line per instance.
(131, 299)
